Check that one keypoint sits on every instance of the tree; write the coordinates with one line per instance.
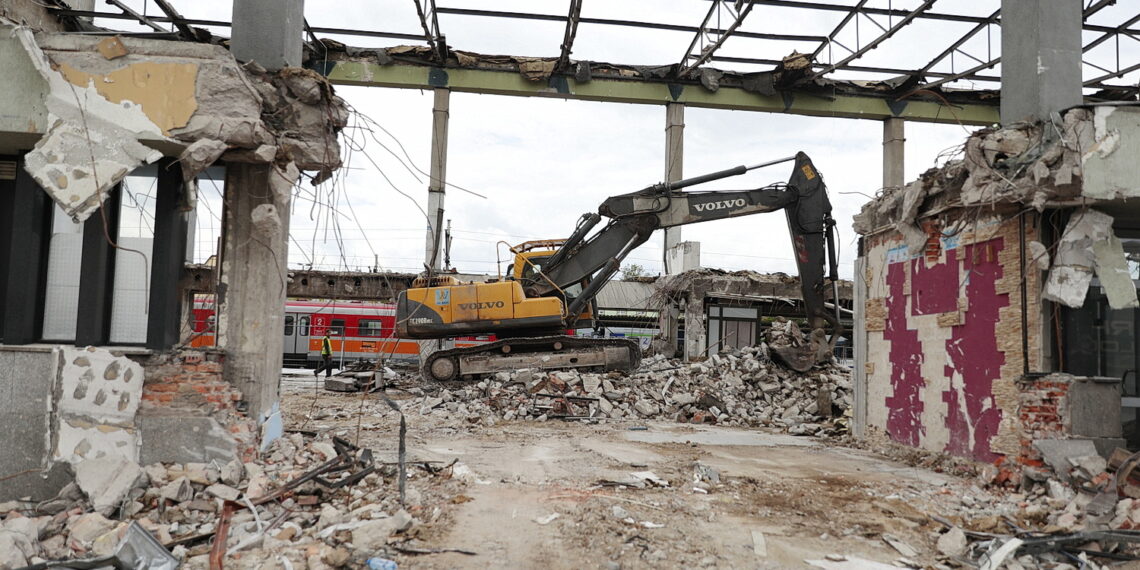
(631, 271)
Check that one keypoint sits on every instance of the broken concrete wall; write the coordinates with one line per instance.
(107, 105)
(92, 412)
(944, 335)
(946, 263)
(687, 292)
(25, 393)
(189, 412)
(1109, 164)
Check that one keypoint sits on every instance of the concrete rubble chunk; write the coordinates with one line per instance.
(178, 490)
(106, 481)
(952, 542)
(224, 492)
(1057, 452)
(86, 528)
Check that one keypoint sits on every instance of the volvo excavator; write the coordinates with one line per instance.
(552, 285)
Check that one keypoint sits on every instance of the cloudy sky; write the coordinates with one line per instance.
(541, 163)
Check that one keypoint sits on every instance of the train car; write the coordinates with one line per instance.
(357, 330)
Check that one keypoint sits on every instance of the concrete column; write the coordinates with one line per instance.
(859, 332)
(1040, 58)
(894, 147)
(251, 294)
(674, 162)
(436, 186)
(268, 32)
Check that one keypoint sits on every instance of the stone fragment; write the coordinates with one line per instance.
(177, 491)
(106, 481)
(224, 492)
(952, 542)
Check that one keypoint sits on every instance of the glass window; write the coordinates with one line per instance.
(289, 321)
(740, 312)
(337, 327)
(304, 325)
(371, 327)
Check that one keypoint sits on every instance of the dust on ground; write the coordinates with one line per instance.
(531, 494)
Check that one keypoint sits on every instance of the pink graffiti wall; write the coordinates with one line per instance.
(973, 360)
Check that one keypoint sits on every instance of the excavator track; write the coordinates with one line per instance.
(544, 353)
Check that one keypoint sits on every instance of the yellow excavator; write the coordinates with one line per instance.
(552, 284)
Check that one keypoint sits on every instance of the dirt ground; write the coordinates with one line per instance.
(780, 500)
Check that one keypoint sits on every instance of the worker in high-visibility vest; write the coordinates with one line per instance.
(326, 357)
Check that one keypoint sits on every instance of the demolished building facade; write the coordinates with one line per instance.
(995, 297)
(84, 112)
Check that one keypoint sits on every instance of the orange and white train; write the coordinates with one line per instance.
(358, 329)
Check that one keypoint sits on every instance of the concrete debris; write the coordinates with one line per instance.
(91, 143)
(741, 388)
(180, 504)
(1035, 164)
(1075, 259)
(952, 543)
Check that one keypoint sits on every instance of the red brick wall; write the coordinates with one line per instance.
(1043, 414)
(190, 382)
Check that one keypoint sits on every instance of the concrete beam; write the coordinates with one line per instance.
(441, 111)
(1041, 58)
(674, 168)
(634, 91)
(894, 152)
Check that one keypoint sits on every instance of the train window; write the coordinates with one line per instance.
(371, 327)
(304, 326)
(210, 320)
(289, 325)
(337, 327)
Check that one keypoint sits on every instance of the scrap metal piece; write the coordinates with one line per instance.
(138, 550)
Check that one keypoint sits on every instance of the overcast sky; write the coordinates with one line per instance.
(541, 163)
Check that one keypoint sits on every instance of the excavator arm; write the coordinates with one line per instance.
(548, 294)
(633, 217)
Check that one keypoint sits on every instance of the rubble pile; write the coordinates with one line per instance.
(319, 503)
(744, 387)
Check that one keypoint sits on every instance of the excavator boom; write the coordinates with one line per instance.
(548, 294)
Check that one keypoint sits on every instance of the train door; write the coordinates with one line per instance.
(296, 339)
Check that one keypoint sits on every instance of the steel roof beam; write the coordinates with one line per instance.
(429, 20)
(132, 15)
(875, 43)
(962, 40)
(179, 22)
(708, 51)
(569, 34)
(625, 23)
(835, 32)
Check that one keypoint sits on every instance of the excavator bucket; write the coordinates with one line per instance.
(795, 351)
(798, 358)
